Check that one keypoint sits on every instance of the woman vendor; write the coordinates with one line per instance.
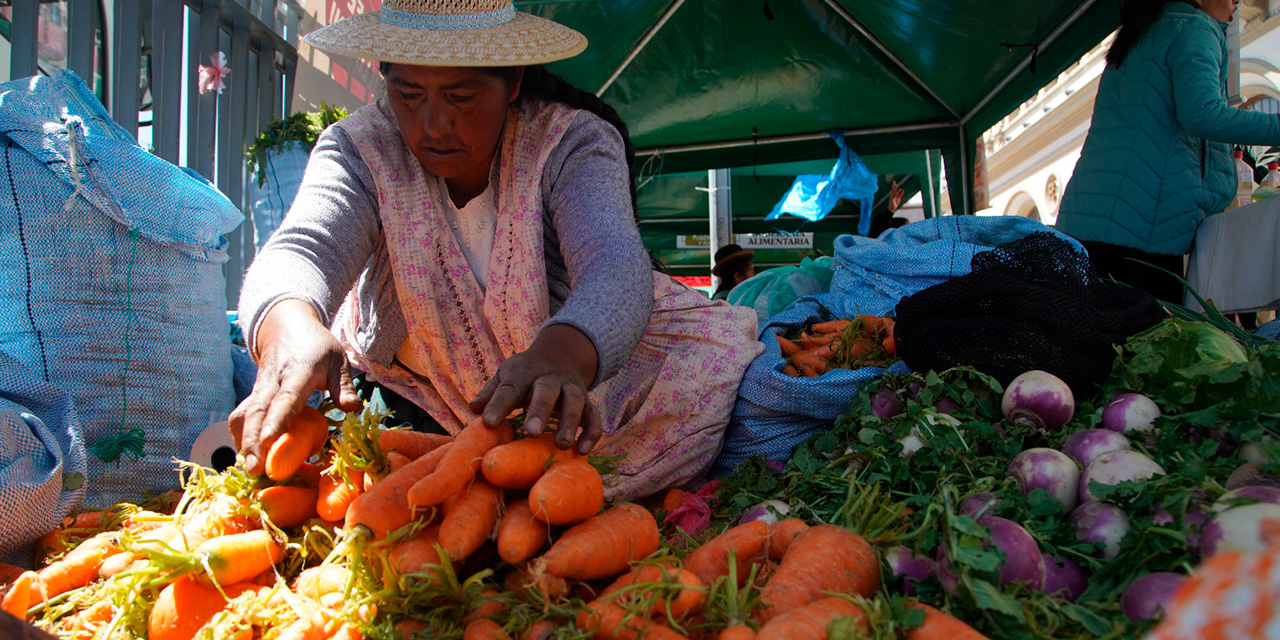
(469, 241)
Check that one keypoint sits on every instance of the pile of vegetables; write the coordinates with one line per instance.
(1030, 513)
(844, 343)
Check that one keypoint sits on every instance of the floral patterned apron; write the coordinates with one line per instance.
(667, 408)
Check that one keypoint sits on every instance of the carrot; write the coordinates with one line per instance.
(288, 507)
(347, 631)
(334, 495)
(940, 624)
(749, 543)
(77, 569)
(418, 554)
(541, 588)
(488, 604)
(890, 346)
(789, 347)
(540, 630)
(674, 592)
(568, 493)
(184, 606)
(411, 627)
(608, 621)
(812, 363)
(520, 535)
(460, 462)
(409, 443)
(118, 564)
(673, 499)
(781, 533)
(791, 370)
(518, 464)
(831, 326)
(306, 434)
(384, 507)
(604, 545)
(737, 632)
(484, 629)
(308, 475)
(395, 460)
(9, 573)
(315, 582)
(823, 558)
(810, 621)
(85, 624)
(18, 598)
(469, 518)
(238, 557)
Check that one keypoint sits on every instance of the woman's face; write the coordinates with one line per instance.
(1220, 10)
(451, 118)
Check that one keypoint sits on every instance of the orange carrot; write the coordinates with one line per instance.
(781, 533)
(288, 507)
(674, 592)
(18, 598)
(518, 464)
(395, 460)
(484, 629)
(812, 363)
(85, 624)
(810, 621)
(608, 621)
(347, 631)
(418, 554)
(890, 346)
(541, 588)
(411, 627)
(308, 475)
(604, 545)
(316, 582)
(749, 543)
(674, 498)
(469, 518)
(737, 632)
(520, 535)
(9, 573)
(334, 495)
(77, 569)
(184, 606)
(384, 507)
(823, 558)
(568, 493)
(540, 630)
(238, 557)
(789, 347)
(460, 462)
(831, 326)
(940, 624)
(306, 434)
(409, 443)
(488, 604)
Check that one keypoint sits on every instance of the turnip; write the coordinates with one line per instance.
(1130, 412)
(769, 511)
(1048, 469)
(1100, 522)
(1085, 446)
(1246, 528)
(1145, 597)
(912, 567)
(976, 505)
(1063, 578)
(885, 404)
(1116, 467)
(1024, 563)
(1193, 520)
(947, 575)
(1245, 495)
(922, 431)
(1251, 474)
(1038, 398)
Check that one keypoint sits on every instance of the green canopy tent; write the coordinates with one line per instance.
(709, 84)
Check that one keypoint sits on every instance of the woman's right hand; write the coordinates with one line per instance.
(297, 354)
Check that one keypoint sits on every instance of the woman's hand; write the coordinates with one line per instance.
(297, 354)
(553, 374)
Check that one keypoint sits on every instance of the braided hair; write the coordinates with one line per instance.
(1135, 17)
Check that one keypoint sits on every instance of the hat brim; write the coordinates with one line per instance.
(524, 40)
(730, 259)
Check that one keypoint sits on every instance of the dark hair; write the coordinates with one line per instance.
(540, 83)
(1135, 17)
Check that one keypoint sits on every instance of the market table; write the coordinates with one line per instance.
(1234, 261)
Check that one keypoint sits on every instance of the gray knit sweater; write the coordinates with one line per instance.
(598, 272)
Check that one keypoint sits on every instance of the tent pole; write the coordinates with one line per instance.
(653, 31)
(880, 46)
(1044, 44)
(720, 195)
(931, 210)
(966, 177)
(799, 137)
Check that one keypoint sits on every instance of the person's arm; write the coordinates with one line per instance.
(1195, 60)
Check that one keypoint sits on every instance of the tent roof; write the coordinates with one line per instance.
(729, 83)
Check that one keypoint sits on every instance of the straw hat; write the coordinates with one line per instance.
(449, 33)
(730, 257)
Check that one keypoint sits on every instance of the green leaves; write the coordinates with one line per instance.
(304, 128)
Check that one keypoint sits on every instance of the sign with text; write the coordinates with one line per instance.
(751, 241)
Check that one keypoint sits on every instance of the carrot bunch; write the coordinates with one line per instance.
(845, 343)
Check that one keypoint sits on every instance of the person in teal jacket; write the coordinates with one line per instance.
(1157, 158)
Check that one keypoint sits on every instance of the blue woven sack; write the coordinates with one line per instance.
(774, 411)
(282, 175)
(117, 295)
(42, 459)
(878, 272)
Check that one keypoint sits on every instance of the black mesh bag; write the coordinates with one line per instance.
(1035, 303)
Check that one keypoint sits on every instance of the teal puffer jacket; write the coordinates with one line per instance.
(1157, 158)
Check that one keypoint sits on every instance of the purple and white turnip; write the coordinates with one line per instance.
(1145, 598)
(1085, 446)
(1130, 412)
(1048, 469)
(1100, 522)
(1116, 467)
(1063, 578)
(1250, 527)
(1039, 399)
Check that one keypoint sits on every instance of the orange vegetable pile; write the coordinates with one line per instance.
(479, 535)
(845, 343)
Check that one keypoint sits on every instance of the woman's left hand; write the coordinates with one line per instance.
(552, 374)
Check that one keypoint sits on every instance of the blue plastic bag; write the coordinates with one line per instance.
(773, 290)
(812, 197)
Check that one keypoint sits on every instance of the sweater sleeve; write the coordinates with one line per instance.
(324, 241)
(587, 192)
(1196, 59)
